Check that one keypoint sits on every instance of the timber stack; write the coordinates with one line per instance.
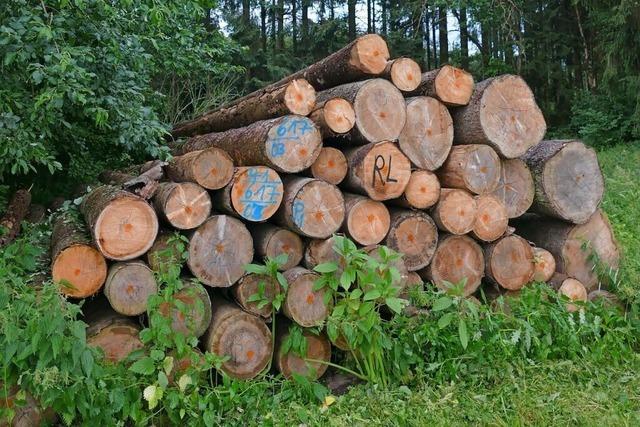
(454, 175)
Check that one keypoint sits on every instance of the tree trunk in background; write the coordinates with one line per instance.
(280, 22)
(369, 16)
(464, 38)
(373, 16)
(443, 34)
(384, 17)
(486, 44)
(433, 38)
(294, 25)
(263, 25)
(322, 9)
(351, 18)
(272, 17)
(332, 10)
(305, 22)
(246, 14)
(426, 40)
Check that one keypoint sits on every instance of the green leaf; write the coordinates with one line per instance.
(144, 366)
(396, 304)
(87, 361)
(445, 320)
(255, 268)
(375, 294)
(157, 354)
(462, 333)
(326, 267)
(163, 381)
(442, 304)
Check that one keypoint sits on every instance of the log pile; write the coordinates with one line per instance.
(454, 176)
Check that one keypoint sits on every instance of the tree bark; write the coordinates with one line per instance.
(366, 221)
(450, 85)
(491, 218)
(351, 18)
(271, 241)
(509, 262)
(464, 38)
(456, 259)
(443, 33)
(318, 348)
(295, 96)
(123, 226)
(280, 23)
(302, 304)
(455, 211)
(572, 245)
(515, 188)
(427, 135)
(474, 167)
(330, 166)
(17, 210)
(378, 170)
(502, 113)
(294, 26)
(248, 286)
(286, 144)
(568, 181)
(263, 25)
(304, 25)
(422, 192)
(76, 265)
(212, 168)
(128, 287)
(413, 234)
(311, 207)
(241, 337)
(254, 194)
(183, 205)
(218, 251)
(380, 112)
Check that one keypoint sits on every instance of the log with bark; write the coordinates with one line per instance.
(475, 168)
(296, 96)
(128, 287)
(218, 251)
(312, 364)
(244, 339)
(502, 113)
(122, 224)
(311, 207)
(455, 211)
(509, 262)
(261, 285)
(16, 211)
(457, 259)
(568, 181)
(139, 179)
(76, 265)
(404, 73)
(574, 290)
(427, 134)
(366, 221)
(116, 335)
(606, 298)
(254, 193)
(272, 241)
(331, 166)
(422, 191)
(379, 107)
(414, 235)
(286, 144)
(544, 265)
(183, 205)
(27, 411)
(378, 170)
(189, 309)
(573, 246)
(491, 218)
(515, 188)
(334, 117)
(450, 85)
(319, 251)
(304, 305)
(212, 168)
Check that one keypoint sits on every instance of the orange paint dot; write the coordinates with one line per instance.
(371, 218)
(299, 97)
(410, 77)
(461, 212)
(514, 257)
(483, 169)
(213, 171)
(129, 289)
(310, 299)
(219, 248)
(250, 354)
(513, 118)
(423, 189)
(376, 53)
(286, 248)
(76, 272)
(383, 115)
(459, 262)
(303, 151)
(331, 164)
(319, 216)
(188, 210)
(128, 227)
(411, 238)
(543, 264)
(485, 218)
(429, 132)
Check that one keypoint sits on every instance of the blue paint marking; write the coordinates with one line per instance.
(290, 130)
(298, 212)
(261, 192)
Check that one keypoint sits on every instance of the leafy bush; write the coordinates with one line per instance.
(85, 79)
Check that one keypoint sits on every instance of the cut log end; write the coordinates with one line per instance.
(575, 291)
(384, 172)
(194, 315)
(454, 86)
(128, 287)
(218, 251)
(510, 262)
(293, 144)
(380, 111)
(321, 251)
(126, 228)
(405, 74)
(339, 115)
(212, 168)
(318, 348)
(544, 265)
(116, 340)
(330, 166)
(184, 205)
(475, 168)
(515, 188)
(304, 305)
(491, 218)
(510, 117)
(369, 54)
(300, 97)
(286, 242)
(250, 285)
(367, 221)
(455, 212)
(414, 235)
(456, 259)
(256, 193)
(317, 209)
(427, 135)
(423, 190)
(80, 271)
